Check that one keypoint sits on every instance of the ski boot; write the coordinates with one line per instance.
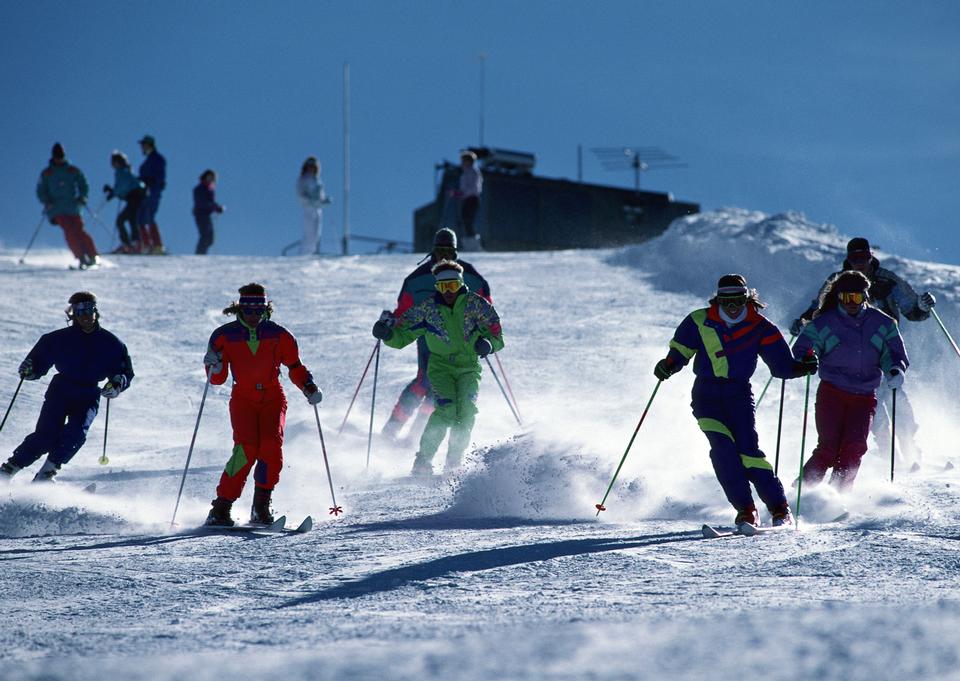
(748, 515)
(220, 513)
(781, 516)
(260, 512)
(8, 470)
(421, 468)
(47, 473)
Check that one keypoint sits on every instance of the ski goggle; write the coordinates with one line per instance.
(449, 285)
(852, 297)
(86, 309)
(253, 309)
(733, 301)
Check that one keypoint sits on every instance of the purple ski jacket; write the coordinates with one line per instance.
(854, 352)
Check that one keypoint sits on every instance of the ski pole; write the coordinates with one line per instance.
(96, 218)
(507, 382)
(106, 424)
(893, 432)
(769, 380)
(34, 237)
(334, 510)
(940, 322)
(196, 427)
(373, 402)
(12, 400)
(803, 444)
(600, 506)
(776, 458)
(357, 391)
(509, 403)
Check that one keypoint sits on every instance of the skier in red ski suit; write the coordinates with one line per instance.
(251, 349)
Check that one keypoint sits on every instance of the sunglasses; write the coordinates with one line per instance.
(84, 309)
(449, 285)
(258, 309)
(852, 297)
(733, 301)
(445, 252)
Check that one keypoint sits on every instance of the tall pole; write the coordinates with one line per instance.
(346, 158)
(483, 84)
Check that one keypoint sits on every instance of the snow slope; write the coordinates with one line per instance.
(503, 571)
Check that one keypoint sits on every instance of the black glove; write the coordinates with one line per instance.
(807, 366)
(665, 369)
(483, 347)
(108, 190)
(26, 370)
(382, 330)
(797, 327)
(926, 302)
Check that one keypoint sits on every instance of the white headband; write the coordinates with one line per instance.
(448, 275)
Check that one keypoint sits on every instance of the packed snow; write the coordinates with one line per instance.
(504, 570)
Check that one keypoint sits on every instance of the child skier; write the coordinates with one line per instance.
(858, 345)
(252, 348)
(724, 340)
(84, 353)
(204, 206)
(126, 187)
(460, 327)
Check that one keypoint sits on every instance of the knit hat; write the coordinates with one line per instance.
(446, 270)
(252, 295)
(445, 238)
(851, 282)
(732, 285)
(858, 250)
(57, 151)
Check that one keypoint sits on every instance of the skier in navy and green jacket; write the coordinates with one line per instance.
(724, 341)
(417, 287)
(84, 354)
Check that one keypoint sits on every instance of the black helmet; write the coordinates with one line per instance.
(445, 237)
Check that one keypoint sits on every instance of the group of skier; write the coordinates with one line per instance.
(849, 336)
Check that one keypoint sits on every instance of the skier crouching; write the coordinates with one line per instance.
(460, 327)
(724, 341)
(84, 354)
(252, 348)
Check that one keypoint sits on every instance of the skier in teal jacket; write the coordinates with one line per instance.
(62, 189)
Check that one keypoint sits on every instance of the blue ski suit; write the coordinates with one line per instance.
(71, 403)
(724, 359)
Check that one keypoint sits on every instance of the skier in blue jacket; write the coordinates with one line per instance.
(84, 354)
(153, 174)
(724, 341)
(126, 187)
(204, 206)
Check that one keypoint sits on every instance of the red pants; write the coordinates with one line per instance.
(843, 424)
(257, 437)
(79, 240)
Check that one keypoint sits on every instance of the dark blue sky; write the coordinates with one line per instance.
(846, 111)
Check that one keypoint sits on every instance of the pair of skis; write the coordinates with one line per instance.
(278, 526)
(741, 530)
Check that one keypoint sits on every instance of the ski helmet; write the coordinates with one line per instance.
(445, 238)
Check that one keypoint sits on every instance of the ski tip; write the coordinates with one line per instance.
(709, 532)
(915, 467)
(748, 529)
(91, 488)
(949, 466)
(306, 525)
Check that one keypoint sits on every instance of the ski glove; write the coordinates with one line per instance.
(26, 370)
(382, 330)
(108, 190)
(894, 379)
(926, 302)
(797, 327)
(483, 347)
(312, 393)
(213, 360)
(114, 386)
(665, 369)
(807, 366)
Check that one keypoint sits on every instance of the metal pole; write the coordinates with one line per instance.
(803, 444)
(357, 391)
(33, 238)
(776, 459)
(932, 311)
(504, 392)
(334, 510)
(12, 400)
(196, 427)
(346, 158)
(893, 433)
(507, 382)
(106, 424)
(373, 403)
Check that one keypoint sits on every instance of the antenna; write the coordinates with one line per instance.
(639, 159)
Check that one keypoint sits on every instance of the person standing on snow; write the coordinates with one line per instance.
(126, 187)
(724, 341)
(153, 174)
(891, 295)
(84, 354)
(313, 199)
(469, 190)
(204, 206)
(63, 189)
(857, 345)
(417, 287)
(460, 328)
(251, 349)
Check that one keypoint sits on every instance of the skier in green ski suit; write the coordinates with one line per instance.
(460, 327)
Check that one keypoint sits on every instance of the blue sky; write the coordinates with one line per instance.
(846, 111)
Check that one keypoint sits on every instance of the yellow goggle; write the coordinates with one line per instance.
(852, 297)
(449, 285)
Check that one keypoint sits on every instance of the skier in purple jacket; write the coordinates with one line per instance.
(858, 346)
